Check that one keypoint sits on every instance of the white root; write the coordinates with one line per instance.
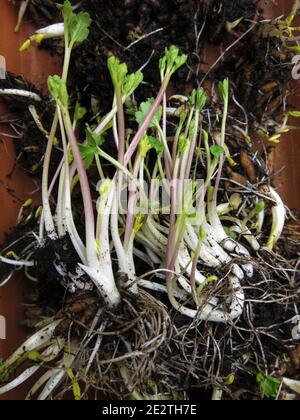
(21, 13)
(53, 351)
(42, 380)
(34, 342)
(57, 376)
(21, 92)
(28, 373)
(103, 281)
(208, 312)
(56, 30)
(16, 263)
(279, 216)
(247, 234)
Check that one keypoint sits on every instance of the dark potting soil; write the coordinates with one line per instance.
(222, 13)
(31, 145)
(258, 69)
(118, 24)
(17, 239)
(128, 28)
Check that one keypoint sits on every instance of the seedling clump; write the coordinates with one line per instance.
(159, 253)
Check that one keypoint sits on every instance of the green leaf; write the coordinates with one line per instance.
(182, 144)
(192, 129)
(201, 99)
(145, 146)
(34, 356)
(80, 112)
(172, 61)
(192, 97)
(117, 70)
(231, 233)
(120, 77)
(93, 139)
(224, 90)
(198, 98)
(268, 385)
(183, 116)
(58, 89)
(76, 25)
(217, 151)
(143, 112)
(91, 148)
(260, 207)
(156, 144)
(148, 142)
(210, 279)
(132, 82)
(202, 233)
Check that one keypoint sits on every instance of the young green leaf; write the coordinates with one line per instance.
(192, 97)
(144, 110)
(198, 98)
(91, 148)
(182, 144)
(211, 279)
(216, 151)
(171, 61)
(120, 77)
(224, 90)
(260, 207)
(268, 385)
(80, 112)
(117, 70)
(192, 129)
(145, 146)
(132, 82)
(58, 89)
(202, 233)
(148, 142)
(156, 144)
(201, 99)
(183, 116)
(76, 25)
(231, 233)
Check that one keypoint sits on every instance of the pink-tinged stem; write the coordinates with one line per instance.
(141, 131)
(86, 195)
(121, 126)
(164, 123)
